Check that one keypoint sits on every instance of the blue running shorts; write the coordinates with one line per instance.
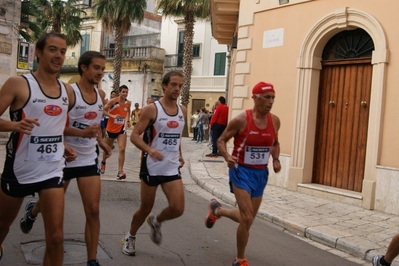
(252, 180)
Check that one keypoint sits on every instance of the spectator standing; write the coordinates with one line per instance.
(206, 126)
(218, 124)
(201, 123)
(135, 114)
(194, 124)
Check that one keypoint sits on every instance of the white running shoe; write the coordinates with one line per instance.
(129, 245)
(156, 234)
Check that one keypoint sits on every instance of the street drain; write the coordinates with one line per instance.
(74, 252)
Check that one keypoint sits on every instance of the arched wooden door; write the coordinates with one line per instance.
(343, 111)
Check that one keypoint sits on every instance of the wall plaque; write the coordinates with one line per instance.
(5, 48)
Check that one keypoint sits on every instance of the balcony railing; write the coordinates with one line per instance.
(146, 52)
(71, 61)
(208, 83)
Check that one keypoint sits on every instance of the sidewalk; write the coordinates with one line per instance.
(354, 230)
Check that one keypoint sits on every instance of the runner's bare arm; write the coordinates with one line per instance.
(102, 95)
(181, 159)
(108, 106)
(147, 118)
(15, 99)
(275, 152)
(127, 118)
(234, 127)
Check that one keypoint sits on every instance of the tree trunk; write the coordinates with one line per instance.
(187, 62)
(118, 58)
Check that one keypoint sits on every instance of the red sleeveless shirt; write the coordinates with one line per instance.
(252, 147)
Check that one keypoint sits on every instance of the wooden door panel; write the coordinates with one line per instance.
(341, 132)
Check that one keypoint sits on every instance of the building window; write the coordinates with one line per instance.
(85, 44)
(349, 44)
(220, 64)
(87, 3)
(196, 51)
(180, 47)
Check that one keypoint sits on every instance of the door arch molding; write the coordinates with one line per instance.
(309, 67)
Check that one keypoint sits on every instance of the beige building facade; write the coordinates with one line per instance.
(333, 65)
(10, 21)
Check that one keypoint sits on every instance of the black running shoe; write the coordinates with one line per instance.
(93, 263)
(27, 221)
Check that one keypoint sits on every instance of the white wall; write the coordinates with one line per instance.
(204, 65)
(151, 6)
(169, 35)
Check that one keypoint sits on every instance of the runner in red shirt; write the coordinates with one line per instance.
(255, 133)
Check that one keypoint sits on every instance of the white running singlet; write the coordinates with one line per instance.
(166, 135)
(81, 116)
(39, 156)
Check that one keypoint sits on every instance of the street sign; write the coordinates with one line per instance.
(23, 55)
(31, 56)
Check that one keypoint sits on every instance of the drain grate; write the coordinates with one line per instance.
(74, 252)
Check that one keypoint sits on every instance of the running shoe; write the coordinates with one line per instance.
(102, 170)
(240, 262)
(93, 263)
(156, 234)
(26, 222)
(376, 260)
(1, 252)
(129, 245)
(121, 175)
(213, 155)
(211, 217)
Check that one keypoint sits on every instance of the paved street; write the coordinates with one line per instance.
(338, 226)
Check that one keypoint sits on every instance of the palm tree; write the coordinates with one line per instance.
(190, 10)
(29, 29)
(62, 16)
(116, 17)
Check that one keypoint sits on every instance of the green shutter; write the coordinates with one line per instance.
(220, 64)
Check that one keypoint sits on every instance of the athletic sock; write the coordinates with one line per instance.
(216, 212)
(383, 262)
